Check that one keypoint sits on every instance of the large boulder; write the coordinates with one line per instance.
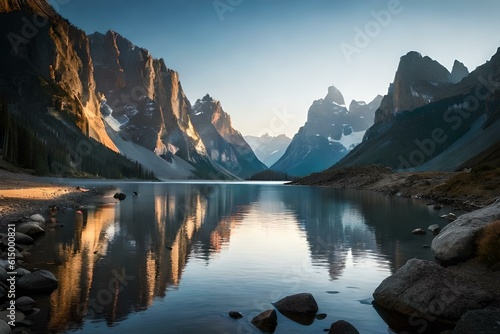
(456, 241)
(266, 321)
(301, 307)
(41, 281)
(485, 321)
(426, 290)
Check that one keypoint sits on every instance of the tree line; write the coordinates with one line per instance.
(49, 147)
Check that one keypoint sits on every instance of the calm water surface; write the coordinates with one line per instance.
(179, 256)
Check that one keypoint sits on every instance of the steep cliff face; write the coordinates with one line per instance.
(225, 145)
(458, 72)
(414, 85)
(362, 114)
(460, 122)
(327, 136)
(145, 97)
(47, 67)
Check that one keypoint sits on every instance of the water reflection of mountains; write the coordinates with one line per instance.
(116, 260)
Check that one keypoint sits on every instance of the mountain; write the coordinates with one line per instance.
(458, 72)
(93, 104)
(143, 101)
(48, 102)
(362, 114)
(268, 148)
(224, 144)
(328, 134)
(427, 123)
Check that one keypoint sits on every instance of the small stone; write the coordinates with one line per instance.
(37, 218)
(235, 315)
(342, 327)
(29, 228)
(438, 206)
(120, 196)
(4, 327)
(434, 228)
(266, 321)
(22, 272)
(321, 316)
(418, 231)
(38, 281)
(19, 316)
(3, 275)
(24, 303)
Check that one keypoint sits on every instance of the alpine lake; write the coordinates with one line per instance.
(178, 256)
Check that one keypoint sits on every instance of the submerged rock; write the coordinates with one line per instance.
(434, 228)
(266, 321)
(235, 315)
(456, 241)
(418, 231)
(41, 281)
(425, 289)
(342, 327)
(303, 303)
(300, 308)
(120, 196)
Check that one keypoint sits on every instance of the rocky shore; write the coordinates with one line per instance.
(22, 195)
(460, 291)
(28, 206)
(468, 190)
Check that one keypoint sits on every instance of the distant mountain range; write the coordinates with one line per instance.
(268, 148)
(100, 105)
(432, 119)
(330, 132)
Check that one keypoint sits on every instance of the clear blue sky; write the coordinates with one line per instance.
(261, 58)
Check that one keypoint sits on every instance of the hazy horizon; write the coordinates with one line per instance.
(268, 61)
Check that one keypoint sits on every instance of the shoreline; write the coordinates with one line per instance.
(467, 191)
(22, 195)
